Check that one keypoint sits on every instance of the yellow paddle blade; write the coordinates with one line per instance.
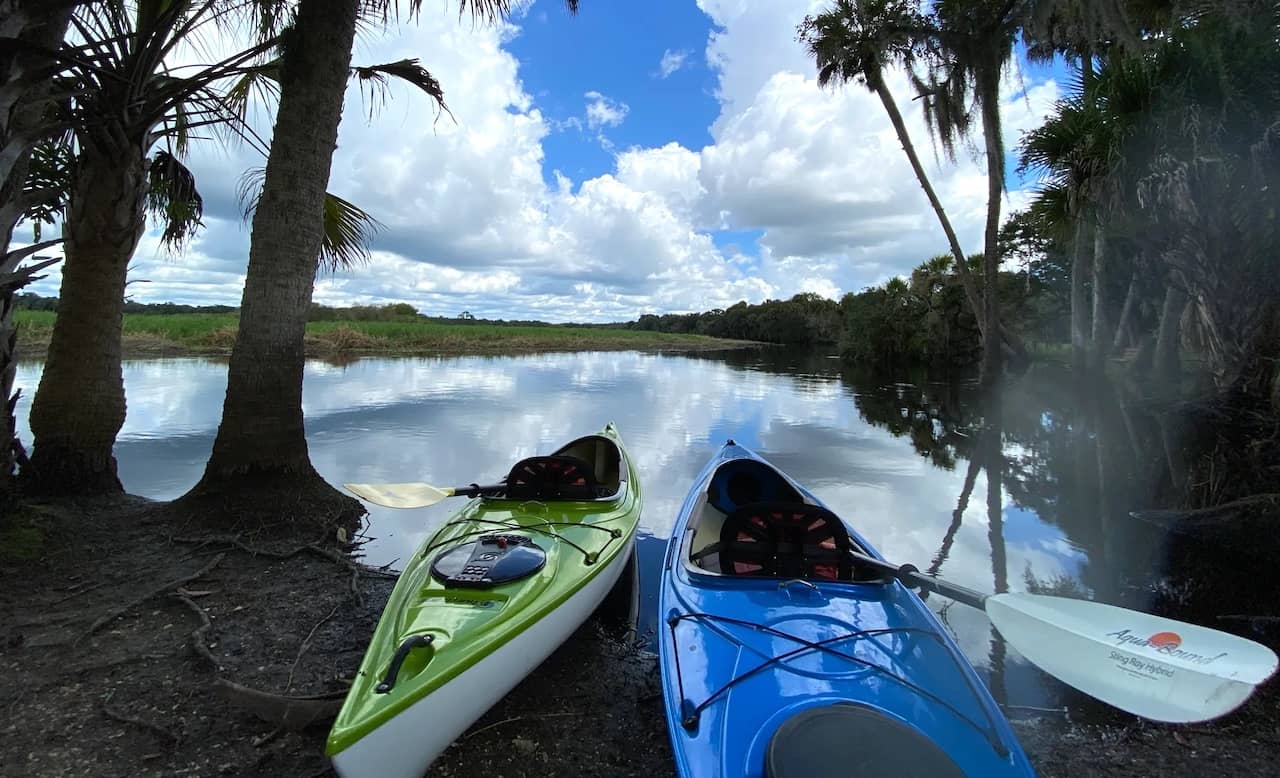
(410, 495)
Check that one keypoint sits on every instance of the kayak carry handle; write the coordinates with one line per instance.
(402, 653)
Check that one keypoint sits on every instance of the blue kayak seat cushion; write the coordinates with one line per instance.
(784, 540)
(853, 741)
(740, 482)
(551, 478)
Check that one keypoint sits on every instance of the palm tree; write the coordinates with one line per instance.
(856, 40)
(970, 42)
(123, 101)
(261, 448)
(32, 26)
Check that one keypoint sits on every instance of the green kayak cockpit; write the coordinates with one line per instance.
(588, 469)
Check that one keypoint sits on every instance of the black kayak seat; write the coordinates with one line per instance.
(551, 478)
(853, 741)
(786, 540)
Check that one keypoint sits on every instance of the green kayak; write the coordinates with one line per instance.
(486, 599)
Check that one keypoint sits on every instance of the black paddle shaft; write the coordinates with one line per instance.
(475, 490)
(912, 577)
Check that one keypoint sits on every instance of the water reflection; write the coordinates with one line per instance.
(904, 457)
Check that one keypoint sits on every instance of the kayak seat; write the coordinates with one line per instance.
(604, 458)
(552, 478)
(842, 740)
(741, 482)
(783, 540)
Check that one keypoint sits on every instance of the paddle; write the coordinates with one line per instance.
(414, 495)
(1157, 668)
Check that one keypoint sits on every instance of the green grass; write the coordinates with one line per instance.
(216, 332)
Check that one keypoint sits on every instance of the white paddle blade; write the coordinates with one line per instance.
(410, 495)
(1153, 667)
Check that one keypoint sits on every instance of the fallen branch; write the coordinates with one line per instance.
(1211, 516)
(291, 713)
(198, 642)
(138, 722)
(343, 560)
(306, 642)
(168, 587)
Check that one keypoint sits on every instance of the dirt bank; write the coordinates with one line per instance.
(120, 631)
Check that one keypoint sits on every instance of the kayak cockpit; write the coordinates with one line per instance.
(589, 469)
(751, 522)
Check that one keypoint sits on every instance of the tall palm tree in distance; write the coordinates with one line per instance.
(857, 40)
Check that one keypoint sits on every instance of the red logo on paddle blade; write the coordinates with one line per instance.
(1166, 641)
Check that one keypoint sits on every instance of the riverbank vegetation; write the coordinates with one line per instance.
(149, 334)
(1152, 233)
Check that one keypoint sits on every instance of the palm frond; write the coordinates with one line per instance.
(348, 230)
(262, 81)
(375, 78)
(48, 184)
(172, 199)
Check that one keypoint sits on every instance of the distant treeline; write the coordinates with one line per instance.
(318, 312)
(804, 319)
(34, 302)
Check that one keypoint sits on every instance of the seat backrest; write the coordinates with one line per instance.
(741, 482)
(551, 478)
(785, 540)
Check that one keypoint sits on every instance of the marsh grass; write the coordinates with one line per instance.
(215, 333)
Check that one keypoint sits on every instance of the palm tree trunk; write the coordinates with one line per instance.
(261, 442)
(1099, 339)
(991, 353)
(1167, 365)
(876, 81)
(79, 406)
(41, 23)
(1126, 311)
(1079, 271)
(22, 113)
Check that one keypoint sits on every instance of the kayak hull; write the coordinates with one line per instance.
(407, 744)
(743, 655)
(449, 645)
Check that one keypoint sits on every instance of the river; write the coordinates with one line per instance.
(906, 458)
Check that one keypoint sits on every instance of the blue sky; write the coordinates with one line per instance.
(668, 156)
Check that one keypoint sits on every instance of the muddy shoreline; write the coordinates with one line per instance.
(120, 629)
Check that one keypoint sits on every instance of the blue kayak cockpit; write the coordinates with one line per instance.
(753, 522)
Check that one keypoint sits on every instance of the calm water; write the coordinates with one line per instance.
(906, 459)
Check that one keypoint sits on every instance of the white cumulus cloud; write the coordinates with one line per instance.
(471, 222)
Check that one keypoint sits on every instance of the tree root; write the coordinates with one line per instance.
(284, 711)
(198, 642)
(306, 643)
(168, 587)
(150, 726)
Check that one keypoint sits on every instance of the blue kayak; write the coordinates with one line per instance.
(783, 658)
